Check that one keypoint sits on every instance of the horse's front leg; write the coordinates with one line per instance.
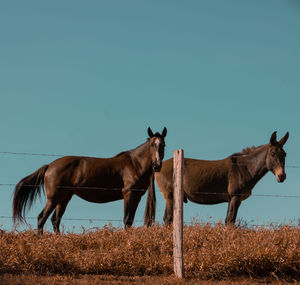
(131, 198)
(233, 207)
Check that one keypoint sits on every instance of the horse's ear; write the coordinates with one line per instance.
(284, 139)
(273, 140)
(150, 132)
(164, 132)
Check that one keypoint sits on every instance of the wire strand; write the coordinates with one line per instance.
(61, 155)
(144, 190)
(79, 219)
(193, 222)
(30, 153)
(77, 187)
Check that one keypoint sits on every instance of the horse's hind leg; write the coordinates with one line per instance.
(43, 216)
(168, 216)
(58, 213)
(233, 207)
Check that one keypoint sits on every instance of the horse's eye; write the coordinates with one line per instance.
(273, 153)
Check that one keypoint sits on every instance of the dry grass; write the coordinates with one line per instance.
(123, 280)
(210, 252)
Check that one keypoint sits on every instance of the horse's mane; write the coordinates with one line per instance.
(132, 150)
(246, 151)
(138, 148)
(249, 150)
(158, 135)
(121, 153)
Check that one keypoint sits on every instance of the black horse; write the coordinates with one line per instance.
(228, 180)
(100, 180)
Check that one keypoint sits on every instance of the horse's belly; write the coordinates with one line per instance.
(99, 196)
(207, 194)
(208, 199)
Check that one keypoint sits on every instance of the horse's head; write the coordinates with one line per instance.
(157, 148)
(275, 160)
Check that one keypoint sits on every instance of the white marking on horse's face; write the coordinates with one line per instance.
(157, 149)
(157, 143)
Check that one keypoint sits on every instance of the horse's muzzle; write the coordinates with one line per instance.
(281, 177)
(156, 166)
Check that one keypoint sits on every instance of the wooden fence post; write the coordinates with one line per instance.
(178, 212)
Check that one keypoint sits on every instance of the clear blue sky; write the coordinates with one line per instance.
(89, 77)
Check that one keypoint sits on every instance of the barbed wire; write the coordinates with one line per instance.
(292, 166)
(144, 190)
(61, 155)
(242, 224)
(241, 194)
(74, 219)
(76, 187)
(30, 153)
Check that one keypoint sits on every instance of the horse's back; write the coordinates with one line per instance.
(200, 177)
(81, 170)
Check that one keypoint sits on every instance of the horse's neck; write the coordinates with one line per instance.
(141, 157)
(255, 163)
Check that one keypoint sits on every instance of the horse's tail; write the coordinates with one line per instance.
(150, 204)
(26, 192)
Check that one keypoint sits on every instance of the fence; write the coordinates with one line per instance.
(178, 203)
(178, 212)
(117, 189)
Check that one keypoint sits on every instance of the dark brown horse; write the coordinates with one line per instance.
(229, 180)
(124, 176)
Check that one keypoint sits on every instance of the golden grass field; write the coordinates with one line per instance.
(145, 256)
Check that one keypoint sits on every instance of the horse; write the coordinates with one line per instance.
(100, 180)
(228, 180)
